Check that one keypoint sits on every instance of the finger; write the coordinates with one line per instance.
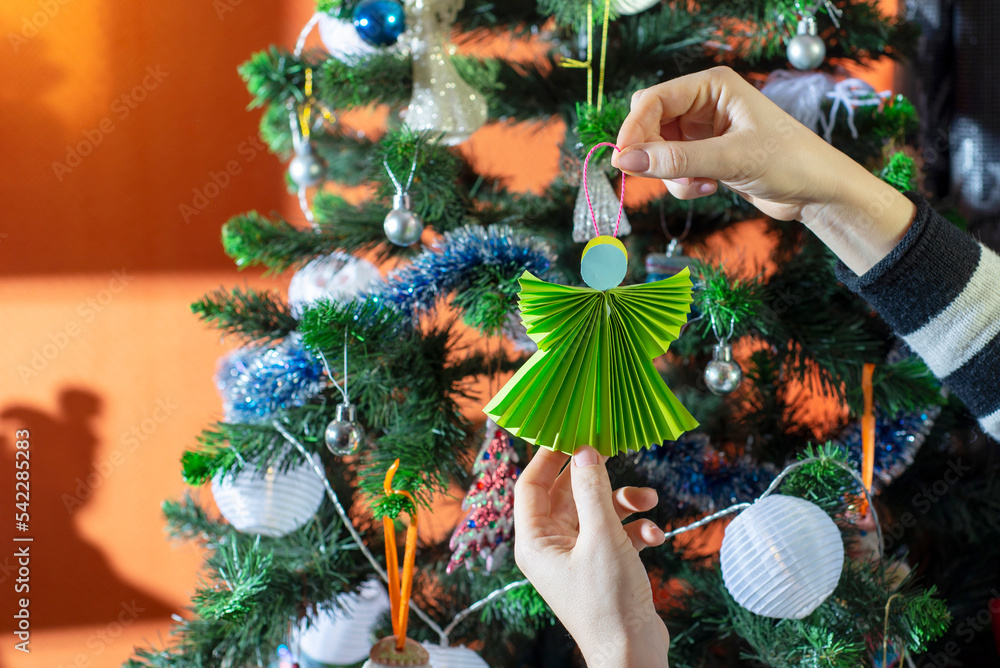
(661, 104)
(688, 188)
(700, 158)
(628, 500)
(561, 495)
(592, 493)
(644, 533)
(531, 491)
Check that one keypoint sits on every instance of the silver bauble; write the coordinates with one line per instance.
(306, 169)
(344, 435)
(723, 375)
(806, 50)
(402, 226)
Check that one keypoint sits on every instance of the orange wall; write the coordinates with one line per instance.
(114, 114)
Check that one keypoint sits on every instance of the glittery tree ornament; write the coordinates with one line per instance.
(442, 101)
(606, 206)
(488, 525)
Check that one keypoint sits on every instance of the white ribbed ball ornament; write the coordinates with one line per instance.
(626, 7)
(269, 503)
(335, 276)
(782, 557)
(342, 636)
(454, 657)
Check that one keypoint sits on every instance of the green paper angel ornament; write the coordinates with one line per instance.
(592, 380)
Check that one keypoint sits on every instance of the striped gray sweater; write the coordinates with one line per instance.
(939, 290)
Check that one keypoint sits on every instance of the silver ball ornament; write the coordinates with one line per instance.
(723, 375)
(806, 50)
(306, 169)
(344, 436)
(402, 226)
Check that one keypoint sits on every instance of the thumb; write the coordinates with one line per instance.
(592, 492)
(710, 158)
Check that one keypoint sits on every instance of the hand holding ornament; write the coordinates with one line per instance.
(572, 546)
(713, 127)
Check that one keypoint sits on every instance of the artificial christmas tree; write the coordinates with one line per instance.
(791, 330)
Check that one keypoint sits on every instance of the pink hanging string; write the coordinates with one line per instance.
(586, 191)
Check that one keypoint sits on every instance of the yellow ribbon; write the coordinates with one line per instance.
(305, 114)
(580, 64)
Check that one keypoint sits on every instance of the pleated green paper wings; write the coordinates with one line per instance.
(592, 381)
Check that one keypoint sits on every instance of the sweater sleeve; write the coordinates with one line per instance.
(939, 290)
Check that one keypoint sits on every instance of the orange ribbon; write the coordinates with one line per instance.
(399, 588)
(868, 431)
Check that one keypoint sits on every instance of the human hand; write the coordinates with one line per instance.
(709, 127)
(572, 546)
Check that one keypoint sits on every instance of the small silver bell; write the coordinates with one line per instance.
(806, 50)
(306, 169)
(402, 226)
(344, 435)
(723, 375)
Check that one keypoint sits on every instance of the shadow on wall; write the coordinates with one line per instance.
(71, 582)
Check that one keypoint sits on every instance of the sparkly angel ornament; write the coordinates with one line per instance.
(593, 381)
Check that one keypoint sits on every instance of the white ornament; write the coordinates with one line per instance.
(454, 657)
(269, 503)
(782, 557)
(441, 101)
(335, 276)
(626, 7)
(801, 94)
(341, 38)
(343, 635)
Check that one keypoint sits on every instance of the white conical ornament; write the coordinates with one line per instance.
(342, 635)
(441, 101)
(336, 276)
(271, 503)
(626, 7)
(606, 206)
(782, 557)
(341, 38)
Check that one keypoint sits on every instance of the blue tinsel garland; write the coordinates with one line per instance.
(255, 383)
(691, 473)
(451, 264)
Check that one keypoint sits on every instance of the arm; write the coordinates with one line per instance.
(937, 287)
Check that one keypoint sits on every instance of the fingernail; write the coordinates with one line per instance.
(683, 181)
(633, 161)
(585, 456)
(706, 188)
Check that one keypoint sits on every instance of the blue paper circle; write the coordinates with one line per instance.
(379, 22)
(603, 266)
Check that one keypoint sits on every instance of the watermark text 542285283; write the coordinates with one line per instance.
(22, 542)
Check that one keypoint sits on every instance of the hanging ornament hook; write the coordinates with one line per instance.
(586, 190)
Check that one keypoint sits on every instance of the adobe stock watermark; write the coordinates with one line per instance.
(32, 25)
(136, 435)
(87, 310)
(224, 7)
(121, 109)
(100, 640)
(218, 181)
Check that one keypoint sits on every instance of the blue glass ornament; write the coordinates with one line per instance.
(379, 22)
